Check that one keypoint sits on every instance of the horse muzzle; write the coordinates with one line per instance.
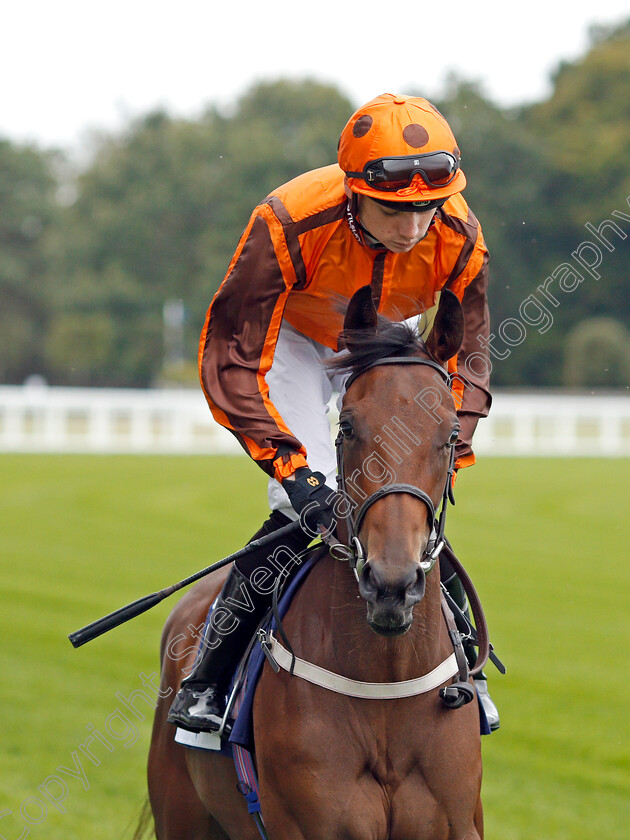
(390, 601)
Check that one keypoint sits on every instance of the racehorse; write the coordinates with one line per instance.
(332, 765)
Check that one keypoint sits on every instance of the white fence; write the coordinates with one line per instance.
(49, 419)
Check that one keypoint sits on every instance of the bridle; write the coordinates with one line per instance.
(354, 551)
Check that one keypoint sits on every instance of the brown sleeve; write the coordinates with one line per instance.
(473, 362)
(238, 342)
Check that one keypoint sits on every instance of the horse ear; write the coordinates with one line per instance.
(361, 312)
(447, 334)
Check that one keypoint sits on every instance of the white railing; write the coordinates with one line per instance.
(542, 423)
(50, 419)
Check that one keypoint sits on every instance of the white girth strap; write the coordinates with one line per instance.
(355, 688)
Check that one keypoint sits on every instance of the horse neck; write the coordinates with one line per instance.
(360, 652)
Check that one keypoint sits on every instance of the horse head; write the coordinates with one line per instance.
(397, 430)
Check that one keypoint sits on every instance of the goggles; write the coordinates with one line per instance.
(390, 174)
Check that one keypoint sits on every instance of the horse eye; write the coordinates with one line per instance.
(453, 438)
(345, 427)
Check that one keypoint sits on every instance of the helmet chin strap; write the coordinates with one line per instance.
(361, 234)
(357, 229)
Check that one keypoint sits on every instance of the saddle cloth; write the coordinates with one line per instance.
(242, 731)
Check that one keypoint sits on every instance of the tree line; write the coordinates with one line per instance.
(106, 271)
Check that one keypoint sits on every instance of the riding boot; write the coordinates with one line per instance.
(458, 594)
(200, 704)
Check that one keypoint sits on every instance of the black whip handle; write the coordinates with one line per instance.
(120, 616)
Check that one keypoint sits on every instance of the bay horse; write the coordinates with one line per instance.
(333, 766)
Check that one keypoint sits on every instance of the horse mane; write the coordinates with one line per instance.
(365, 347)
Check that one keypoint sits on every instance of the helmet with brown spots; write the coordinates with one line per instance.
(405, 127)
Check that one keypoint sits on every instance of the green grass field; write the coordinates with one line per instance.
(546, 542)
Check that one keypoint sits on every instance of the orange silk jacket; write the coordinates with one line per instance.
(299, 253)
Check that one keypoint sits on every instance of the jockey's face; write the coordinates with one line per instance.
(397, 230)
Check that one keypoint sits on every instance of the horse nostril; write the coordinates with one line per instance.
(368, 587)
(407, 590)
(415, 590)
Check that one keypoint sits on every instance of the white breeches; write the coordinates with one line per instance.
(301, 388)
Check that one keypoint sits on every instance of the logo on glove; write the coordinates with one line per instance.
(312, 481)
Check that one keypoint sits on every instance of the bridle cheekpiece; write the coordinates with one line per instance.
(354, 551)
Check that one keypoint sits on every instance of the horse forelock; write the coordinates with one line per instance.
(366, 347)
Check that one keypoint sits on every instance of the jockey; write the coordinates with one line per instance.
(391, 215)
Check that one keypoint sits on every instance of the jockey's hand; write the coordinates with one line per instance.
(313, 500)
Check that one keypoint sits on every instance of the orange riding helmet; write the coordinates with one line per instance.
(400, 148)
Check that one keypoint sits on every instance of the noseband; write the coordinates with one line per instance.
(354, 552)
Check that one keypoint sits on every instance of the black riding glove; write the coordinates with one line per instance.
(313, 500)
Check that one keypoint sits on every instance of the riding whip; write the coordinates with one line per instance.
(120, 616)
